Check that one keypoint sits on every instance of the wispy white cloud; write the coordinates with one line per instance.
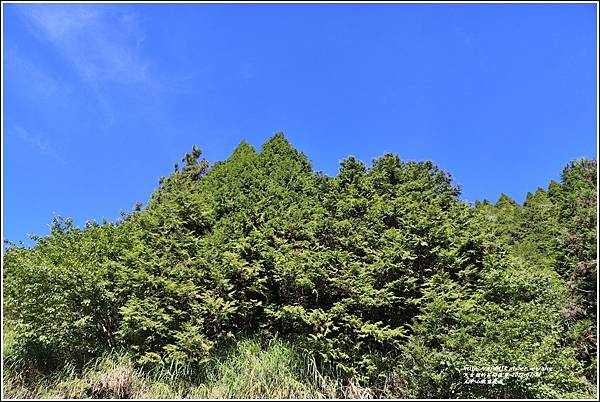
(36, 140)
(39, 83)
(105, 46)
(102, 44)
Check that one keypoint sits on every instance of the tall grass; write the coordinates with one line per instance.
(253, 368)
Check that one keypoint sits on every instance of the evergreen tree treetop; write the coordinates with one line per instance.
(505, 201)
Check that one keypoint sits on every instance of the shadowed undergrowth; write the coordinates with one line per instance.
(251, 369)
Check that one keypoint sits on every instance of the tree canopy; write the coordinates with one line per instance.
(379, 272)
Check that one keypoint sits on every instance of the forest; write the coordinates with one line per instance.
(259, 277)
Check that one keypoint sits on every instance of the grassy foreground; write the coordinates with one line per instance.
(253, 369)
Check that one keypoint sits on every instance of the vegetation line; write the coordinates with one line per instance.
(257, 277)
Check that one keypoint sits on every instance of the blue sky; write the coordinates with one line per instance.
(101, 100)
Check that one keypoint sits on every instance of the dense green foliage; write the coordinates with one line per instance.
(249, 369)
(380, 273)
